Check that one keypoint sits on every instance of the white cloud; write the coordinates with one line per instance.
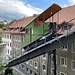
(65, 5)
(72, 1)
(16, 9)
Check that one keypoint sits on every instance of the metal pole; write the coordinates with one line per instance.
(54, 60)
(49, 63)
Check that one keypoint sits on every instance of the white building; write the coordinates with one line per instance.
(13, 37)
(2, 52)
(6, 38)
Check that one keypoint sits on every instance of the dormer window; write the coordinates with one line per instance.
(15, 29)
(65, 28)
(28, 30)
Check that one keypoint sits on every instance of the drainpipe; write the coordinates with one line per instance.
(54, 60)
(49, 63)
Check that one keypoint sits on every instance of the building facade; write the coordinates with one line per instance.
(2, 53)
(64, 55)
(38, 66)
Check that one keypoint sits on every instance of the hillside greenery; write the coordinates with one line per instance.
(4, 25)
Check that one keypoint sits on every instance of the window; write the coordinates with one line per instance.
(73, 65)
(31, 63)
(10, 44)
(10, 36)
(35, 74)
(26, 69)
(27, 30)
(22, 38)
(32, 31)
(16, 37)
(11, 52)
(8, 51)
(30, 72)
(44, 56)
(65, 27)
(62, 73)
(44, 67)
(22, 66)
(65, 47)
(27, 62)
(73, 47)
(35, 64)
(52, 71)
(64, 62)
(5, 36)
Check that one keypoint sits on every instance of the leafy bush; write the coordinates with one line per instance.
(2, 68)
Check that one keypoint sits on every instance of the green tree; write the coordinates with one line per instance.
(2, 68)
(3, 25)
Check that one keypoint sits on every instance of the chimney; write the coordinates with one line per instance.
(24, 17)
(34, 15)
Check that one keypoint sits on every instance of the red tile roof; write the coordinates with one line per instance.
(14, 27)
(21, 23)
(12, 32)
(66, 14)
(3, 21)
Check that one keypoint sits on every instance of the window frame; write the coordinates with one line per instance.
(63, 73)
(52, 71)
(30, 63)
(31, 72)
(64, 62)
(44, 56)
(36, 67)
(65, 28)
(64, 49)
(72, 65)
(27, 70)
(42, 67)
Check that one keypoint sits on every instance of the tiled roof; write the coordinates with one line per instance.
(21, 23)
(14, 27)
(66, 14)
(3, 21)
(16, 31)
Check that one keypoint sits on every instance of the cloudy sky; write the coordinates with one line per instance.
(17, 9)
